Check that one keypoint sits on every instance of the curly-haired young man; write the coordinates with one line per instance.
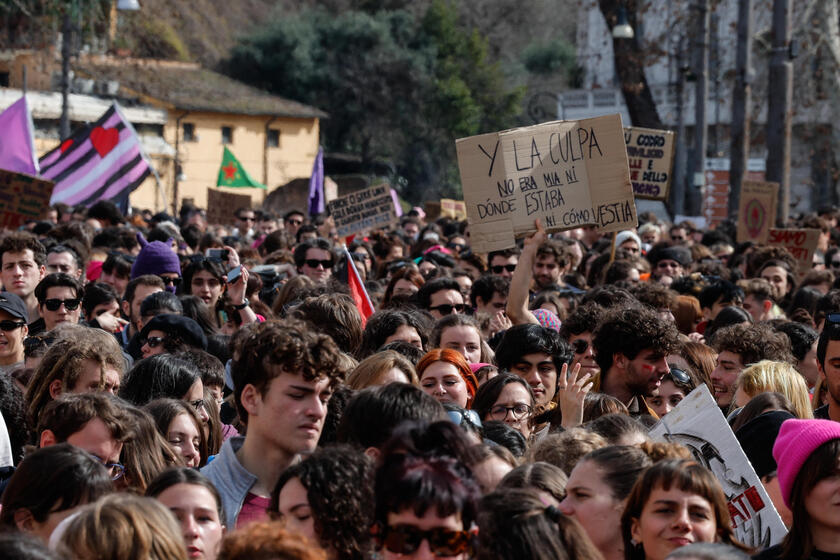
(631, 346)
(739, 346)
(283, 380)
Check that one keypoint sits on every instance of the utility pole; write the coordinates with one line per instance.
(741, 101)
(700, 55)
(66, 44)
(779, 107)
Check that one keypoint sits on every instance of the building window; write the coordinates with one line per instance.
(273, 139)
(4, 79)
(189, 132)
(227, 135)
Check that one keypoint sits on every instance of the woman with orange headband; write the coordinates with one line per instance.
(446, 375)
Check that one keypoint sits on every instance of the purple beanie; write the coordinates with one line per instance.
(796, 441)
(156, 257)
(547, 318)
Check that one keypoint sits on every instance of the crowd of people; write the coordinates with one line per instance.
(175, 389)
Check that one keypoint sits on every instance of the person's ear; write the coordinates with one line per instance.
(373, 453)
(24, 520)
(635, 530)
(42, 271)
(125, 307)
(47, 439)
(56, 387)
(821, 370)
(250, 399)
(620, 361)
(767, 305)
(24, 331)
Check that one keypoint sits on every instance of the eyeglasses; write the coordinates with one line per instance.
(116, 470)
(152, 341)
(580, 345)
(460, 417)
(246, 219)
(55, 304)
(170, 281)
(294, 222)
(497, 269)
(406, 539)
(446, 309)
(313, 263)
(7, 325)
(679, 375)
(519, 411)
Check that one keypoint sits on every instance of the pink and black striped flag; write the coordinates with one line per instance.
(101, 161)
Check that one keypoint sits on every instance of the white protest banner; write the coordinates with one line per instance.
(566, 173)
(362, 210)
(650, 154)
(800, 242)
(698, 424)
(756, 210)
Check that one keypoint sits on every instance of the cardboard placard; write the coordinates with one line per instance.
(698, 424)
(361, 210)
(221, 206)
(22, 198)
(566, 173)
(800, 242)
(455, 209)
(650, 154)
(756, 210)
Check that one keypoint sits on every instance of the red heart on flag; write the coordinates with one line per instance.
(104, 139)
(66, 145)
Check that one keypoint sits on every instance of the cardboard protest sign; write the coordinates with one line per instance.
(364, 209)
(22, 198)
(698, 424)
(756, 210)
(455, 209)
(800, 242)
(566, 173)
(221, 205)
(650, 154)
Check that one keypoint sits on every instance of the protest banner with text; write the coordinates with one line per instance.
(650, 154)
(698, 424)
(800, 242)
(22, 198)
(362, 210)
(221, 205)
(566, 173)
(756, 210)
(455, 209)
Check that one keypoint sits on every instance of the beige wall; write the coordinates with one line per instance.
(201, 159)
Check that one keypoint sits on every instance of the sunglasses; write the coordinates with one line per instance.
(115, 470)
(446, 309)
(174, 282)
(580, 346)
(679, 375)
(152, 341)
(313, 263)
(406, 539)
(55, 304)
(497, 269)
(7, 325)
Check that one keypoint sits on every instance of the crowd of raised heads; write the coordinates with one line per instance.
(172, 388)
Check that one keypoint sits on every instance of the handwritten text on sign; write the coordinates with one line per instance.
(567, 174)
(800, 242)
(221, 205)
(650, 154)
(22, 198)
(361, 210)
(698, 424)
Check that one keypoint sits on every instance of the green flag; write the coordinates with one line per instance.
(232, 174)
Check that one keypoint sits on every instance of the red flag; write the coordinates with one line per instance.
(357, 289)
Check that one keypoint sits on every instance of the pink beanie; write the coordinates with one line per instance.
(796, 441)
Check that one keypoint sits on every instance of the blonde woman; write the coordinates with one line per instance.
(779, 377)
(382, 368)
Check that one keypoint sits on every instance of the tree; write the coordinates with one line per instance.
(397, 85)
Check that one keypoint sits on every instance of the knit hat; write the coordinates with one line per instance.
(547, 319)
(623, 236)
(679, 254)
(156, 257)
(797, 440)
(757, 438)
(176, 325)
